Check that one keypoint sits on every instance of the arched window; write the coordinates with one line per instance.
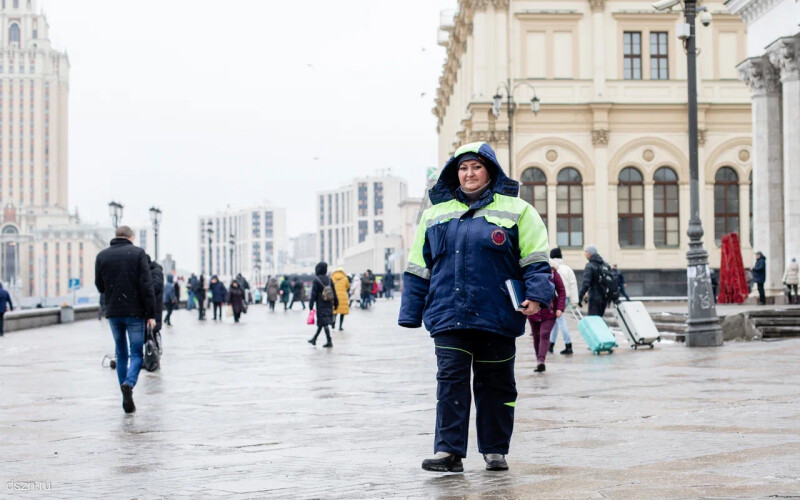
(534, 190)
(726, 203)
(630, 203)
(751, 208)
(569, 208)
(13, 33)
(665, 208)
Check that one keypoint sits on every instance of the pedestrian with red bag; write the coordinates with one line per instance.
(542, 322)
(323, 300)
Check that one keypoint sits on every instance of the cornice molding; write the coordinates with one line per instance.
(760, 75)
(750, 10)
(462, 29)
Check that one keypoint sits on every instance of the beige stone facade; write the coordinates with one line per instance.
(600, 116)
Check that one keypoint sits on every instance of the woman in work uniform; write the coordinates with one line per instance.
(476, 235)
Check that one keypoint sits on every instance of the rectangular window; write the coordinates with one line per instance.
(321, 244)
(362, 230)
(378, 227)
(378, 197)
(658, 56)
(632, 52)
(268, 225)
(363, 201)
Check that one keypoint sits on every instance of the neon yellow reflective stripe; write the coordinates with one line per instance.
(499, 214)
(445, 217)
(437, 212)
(415, 254)
(533, 244)
(472, 147)
(420, 271)
(534, 257)
(512, 404)
(501, 361)
(453, 348)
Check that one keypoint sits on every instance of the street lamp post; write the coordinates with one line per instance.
(115, 211)
(497, 105)
(210, 232)
(702, 327)
(232, 242)
(155, 217)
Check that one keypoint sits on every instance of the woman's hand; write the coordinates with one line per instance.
(531, 308)
(558, 314)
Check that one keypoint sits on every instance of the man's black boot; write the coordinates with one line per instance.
(539, 368)
(127, 399)
(550, 349)
(568, 350)
(449, 463)
(495, 461)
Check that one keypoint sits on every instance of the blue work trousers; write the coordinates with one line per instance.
(490, 357)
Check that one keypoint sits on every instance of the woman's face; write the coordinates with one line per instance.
(472, 175)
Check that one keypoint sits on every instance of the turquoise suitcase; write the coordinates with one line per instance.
(595, 332)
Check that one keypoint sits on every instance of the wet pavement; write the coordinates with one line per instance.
(253, 411)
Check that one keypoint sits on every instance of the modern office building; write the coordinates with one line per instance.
(347, 216)
(251, 241)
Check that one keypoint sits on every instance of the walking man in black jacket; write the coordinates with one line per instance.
(591, 282)
(122, 273)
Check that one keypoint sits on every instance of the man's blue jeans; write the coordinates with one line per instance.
(190, 301)
(561, 325)
(135, 332)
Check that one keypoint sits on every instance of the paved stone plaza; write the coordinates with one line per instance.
(253, 411)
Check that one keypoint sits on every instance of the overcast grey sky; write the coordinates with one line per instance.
(192, 105)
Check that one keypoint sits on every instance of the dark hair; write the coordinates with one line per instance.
(555, 253)
(123, 232)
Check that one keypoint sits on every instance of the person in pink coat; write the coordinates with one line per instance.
(542, 322)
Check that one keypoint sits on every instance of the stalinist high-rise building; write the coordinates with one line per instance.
(42, 245)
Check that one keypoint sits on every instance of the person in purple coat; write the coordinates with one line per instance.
(542, 322)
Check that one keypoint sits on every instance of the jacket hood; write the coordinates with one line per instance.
(596, 259)
(169, 278)
(338, 272)
(555, 262)
(321, 269)
(445, 187)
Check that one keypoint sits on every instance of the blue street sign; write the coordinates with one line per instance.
(74, 284)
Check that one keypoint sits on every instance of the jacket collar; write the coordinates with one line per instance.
(446, 187)
(121, 241)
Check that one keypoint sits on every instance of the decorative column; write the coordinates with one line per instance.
(601, 239)
(649, 238)
(768, 207)
(784, 54)
(598, 50)
(552, 212)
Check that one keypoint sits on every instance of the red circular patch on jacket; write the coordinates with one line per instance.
(499, 237)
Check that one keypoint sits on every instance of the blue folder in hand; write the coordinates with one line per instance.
(516, 291)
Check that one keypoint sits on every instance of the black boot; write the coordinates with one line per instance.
(550, 349)
(539, 368)
(568, 350)
(495, 461)
(127, 399)
(450, 463)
